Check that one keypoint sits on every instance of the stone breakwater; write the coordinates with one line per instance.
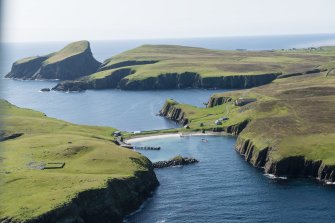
(177, 161)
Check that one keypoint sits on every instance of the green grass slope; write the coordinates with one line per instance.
(69, 50)
(294, 116)
(91, 159)
(162, 59)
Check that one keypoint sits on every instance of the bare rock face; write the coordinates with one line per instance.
(73, 61)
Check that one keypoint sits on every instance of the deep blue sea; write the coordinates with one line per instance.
(222, 187)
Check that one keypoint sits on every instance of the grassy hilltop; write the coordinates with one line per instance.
(73, 61)
(174, 67)
(292, 117)
(212, 63)
(91, 160)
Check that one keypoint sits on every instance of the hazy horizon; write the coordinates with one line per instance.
(50, 21)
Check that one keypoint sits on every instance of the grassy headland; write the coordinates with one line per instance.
(170, 66)
(91, 160)
(291, 118)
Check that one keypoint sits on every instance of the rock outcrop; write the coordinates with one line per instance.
(72, 62)
(216, 101)
(110, 204)
(170, 111)
(176, 161)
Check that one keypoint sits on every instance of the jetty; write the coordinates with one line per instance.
(147, 147)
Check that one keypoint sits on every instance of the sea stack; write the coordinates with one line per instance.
(73, 61)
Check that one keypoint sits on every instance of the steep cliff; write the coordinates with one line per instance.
(110, 204)
(73, 61)
(216, 101)
(99, 181)
(171, 111)
(171, 81)
(291, 166)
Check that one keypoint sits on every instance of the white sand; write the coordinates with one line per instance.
(159, 136)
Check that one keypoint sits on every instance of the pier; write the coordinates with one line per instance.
(147, 147)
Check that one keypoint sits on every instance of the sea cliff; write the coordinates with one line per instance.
(73, 61)
(98, 180)
(185, 80)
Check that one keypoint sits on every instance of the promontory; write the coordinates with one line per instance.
(73, 61)
(287, 127)
(153, 67)
(55, 171)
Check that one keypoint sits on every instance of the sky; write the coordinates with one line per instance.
(68, 20)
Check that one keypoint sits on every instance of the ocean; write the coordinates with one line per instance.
(222, 187)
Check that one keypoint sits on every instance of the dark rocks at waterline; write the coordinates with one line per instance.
(71, 86)
(119, 79)
(45, 89)
(177, 161)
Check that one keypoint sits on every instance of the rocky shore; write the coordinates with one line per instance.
(176, 161)
(293, 166)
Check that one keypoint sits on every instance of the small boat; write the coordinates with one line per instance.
(204, 140)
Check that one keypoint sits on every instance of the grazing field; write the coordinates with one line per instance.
(161, 59)
(91, 160)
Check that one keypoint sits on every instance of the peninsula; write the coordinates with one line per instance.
(286, 127)
(55, 171)
(156, 67)
(73, 61)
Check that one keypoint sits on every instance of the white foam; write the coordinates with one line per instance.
(272, 176)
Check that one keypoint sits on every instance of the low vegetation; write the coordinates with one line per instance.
(294, 116)
(214, 63)
(90, 156)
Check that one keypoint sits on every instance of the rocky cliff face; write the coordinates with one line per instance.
(110, 204)
(177, 81)
(294, 166)
(173, 113)
(216, 101)
(72, 62)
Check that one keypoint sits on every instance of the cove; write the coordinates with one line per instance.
(223, 187)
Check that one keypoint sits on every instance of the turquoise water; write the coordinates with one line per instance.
(223, 187)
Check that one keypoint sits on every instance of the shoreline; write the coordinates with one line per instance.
(158, 135)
